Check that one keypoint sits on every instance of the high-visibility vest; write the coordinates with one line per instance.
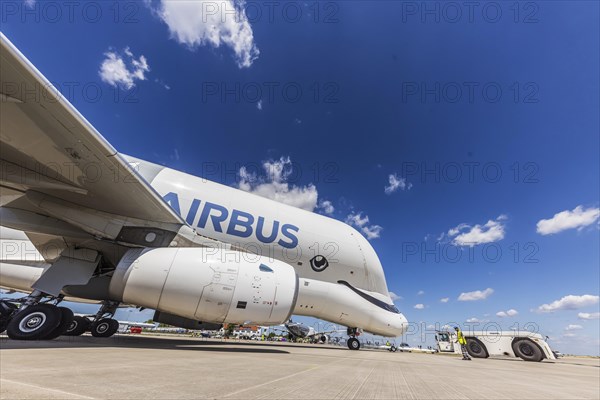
(461, 338)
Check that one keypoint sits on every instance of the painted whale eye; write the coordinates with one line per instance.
(318, 263)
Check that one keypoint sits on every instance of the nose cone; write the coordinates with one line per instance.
(400, 324)
(392, 325)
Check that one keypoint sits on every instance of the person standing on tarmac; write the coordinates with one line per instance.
(463, 343)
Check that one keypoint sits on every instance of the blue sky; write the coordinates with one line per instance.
(487, 119)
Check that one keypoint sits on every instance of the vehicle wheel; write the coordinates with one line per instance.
(393, 349)
(78, 326)
(527, 350)
(65, 322)
(33, 323)
(476, 349)
(353, 344)
(105, 327)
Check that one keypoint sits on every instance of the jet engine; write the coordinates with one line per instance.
(206, 284)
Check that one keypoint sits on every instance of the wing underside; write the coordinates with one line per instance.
(61, 182)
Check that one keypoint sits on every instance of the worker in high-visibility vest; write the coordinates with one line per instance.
(463, 343)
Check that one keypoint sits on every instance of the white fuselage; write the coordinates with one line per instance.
(340, 276)
(294, 236)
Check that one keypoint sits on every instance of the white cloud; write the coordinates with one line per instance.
(420, 293)
(259, 105)
(570, 302)
(123, 70)
(572, 327)
(362, 224)
(274, 185)
(569, 335)
(206, 22)
(396, 183)
(162, 83)
(588, 316)
(577, 218)
(419, 306)
(394, 296)
(326, 206)
(476, 295)
(509, 313)
(467, 235)
(372, 231)
(475, 320)
(444, 299)
(29, 3)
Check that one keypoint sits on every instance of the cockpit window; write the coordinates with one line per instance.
(371, 299)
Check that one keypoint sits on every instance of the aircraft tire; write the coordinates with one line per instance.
(476, 349)
(393, 349)
(353, 344)
(105, 327)
(527, 350)
(65, 322)
(34, 322)
(7, 309)
(78, 326)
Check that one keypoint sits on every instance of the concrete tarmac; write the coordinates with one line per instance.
(146, 367)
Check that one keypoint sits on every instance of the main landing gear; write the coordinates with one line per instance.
(38, 319)
(101, 325)
(353, 343)
(104, 325)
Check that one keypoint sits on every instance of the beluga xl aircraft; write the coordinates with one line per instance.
(119, 231)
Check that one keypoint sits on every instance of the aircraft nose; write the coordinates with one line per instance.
(396, 324)
(401, 324)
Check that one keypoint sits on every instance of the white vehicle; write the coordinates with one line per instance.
(483, 344)
(114, 229)
(405, 347)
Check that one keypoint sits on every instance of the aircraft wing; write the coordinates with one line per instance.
(59, 176)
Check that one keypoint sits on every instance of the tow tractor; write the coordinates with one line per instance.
(526, 345)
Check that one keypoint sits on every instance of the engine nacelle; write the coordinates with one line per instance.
(186, 323)
(207, 284)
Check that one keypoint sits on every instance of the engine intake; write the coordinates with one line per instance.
(207, 284)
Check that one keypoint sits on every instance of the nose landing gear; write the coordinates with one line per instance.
(353, 343)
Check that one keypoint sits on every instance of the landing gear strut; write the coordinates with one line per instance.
(104, 325)
(353, 343)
